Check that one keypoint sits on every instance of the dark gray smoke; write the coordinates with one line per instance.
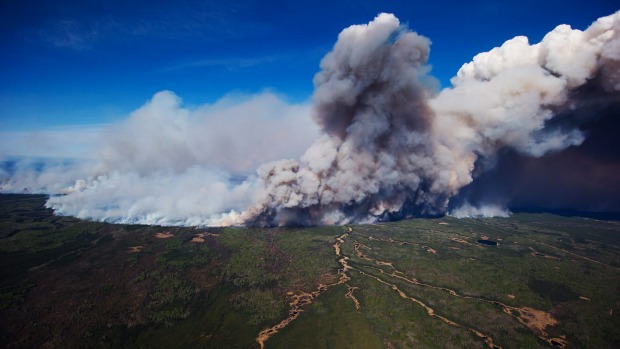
(584, 178)
(389, 145)
(390, 148)
(376, 154)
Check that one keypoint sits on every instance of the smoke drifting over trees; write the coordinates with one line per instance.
(388, 146)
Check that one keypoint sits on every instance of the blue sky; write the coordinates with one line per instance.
(92, 62)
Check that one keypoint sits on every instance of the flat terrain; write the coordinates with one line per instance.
(528, 281)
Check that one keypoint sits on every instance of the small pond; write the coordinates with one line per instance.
(488, 242)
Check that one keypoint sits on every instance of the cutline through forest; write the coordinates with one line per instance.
(534, 319)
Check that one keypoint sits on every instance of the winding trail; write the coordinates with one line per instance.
(302, 299)
(400, 275)
(534, 319)
(542, 255)
(553, 247)
(352, 297)
(579, 256)
(488, 340)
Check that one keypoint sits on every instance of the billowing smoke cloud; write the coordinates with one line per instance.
(377, 156)
(236, 135)
(389, 145)
(390, 148)
(170, 165)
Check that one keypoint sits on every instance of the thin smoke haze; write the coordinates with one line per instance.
(377, 142)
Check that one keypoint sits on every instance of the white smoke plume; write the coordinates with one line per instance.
(483, 211)
(194, 197)
(171, 165)
(236, 134)
(388, 146)
(41, 175)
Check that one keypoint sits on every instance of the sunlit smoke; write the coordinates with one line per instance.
(387, 144)
(389, 148)
(483, 211)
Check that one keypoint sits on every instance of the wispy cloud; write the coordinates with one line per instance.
(86, 28)
(232, 63)
(71, 33)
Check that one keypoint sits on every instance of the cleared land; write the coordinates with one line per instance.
(550, 281)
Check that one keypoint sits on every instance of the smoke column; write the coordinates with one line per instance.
(389, 145)
(389, 148)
